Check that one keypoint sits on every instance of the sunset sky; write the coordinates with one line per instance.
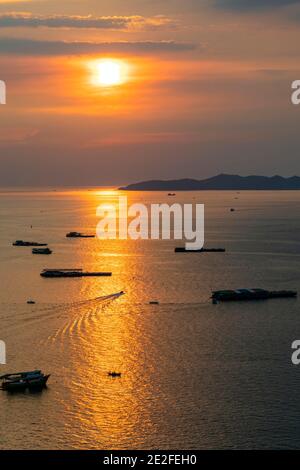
(189, 88)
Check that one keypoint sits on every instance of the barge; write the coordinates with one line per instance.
(22, 243)
(250, 294)
(58, 273)
(182, 249)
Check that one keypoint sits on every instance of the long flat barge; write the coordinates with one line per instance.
(22, 243)
(59, 273)
(182, 249)
(250, 294)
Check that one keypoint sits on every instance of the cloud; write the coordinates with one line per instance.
(12, 20)
(248, 5)
(21, 46)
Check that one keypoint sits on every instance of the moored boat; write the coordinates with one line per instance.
(251, 294)
(23, 243)
(59, 273)
(21, 381)
(41, 251)
(182, 249)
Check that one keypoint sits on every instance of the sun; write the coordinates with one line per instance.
(108, 72)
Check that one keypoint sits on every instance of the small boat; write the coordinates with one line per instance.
(41, 251)
(58, 273)
(153, 302)
(232, 210)
(171, 194)
(30, 302)
(79, 235)
(182, 249)
(250, 294)
(114, 374)
(21, 381)
(22, 243)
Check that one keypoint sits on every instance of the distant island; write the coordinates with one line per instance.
(219, 182)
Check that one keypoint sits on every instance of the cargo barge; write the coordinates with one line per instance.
(182, 249)
(22, 243)
(250, 294)
(58, 273)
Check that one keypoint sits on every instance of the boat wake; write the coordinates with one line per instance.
(79, 324)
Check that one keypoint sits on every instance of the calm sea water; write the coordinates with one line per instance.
(194, 375)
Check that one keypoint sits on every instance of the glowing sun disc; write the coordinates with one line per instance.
(108, 72)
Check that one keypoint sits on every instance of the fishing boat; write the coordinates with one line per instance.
(21, 381)
(41, 251)
(59, 273)
(22, 243)
(79, 235)
(182, 249)
(114, 374)
(250, 294)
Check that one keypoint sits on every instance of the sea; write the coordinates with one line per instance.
(193, 375)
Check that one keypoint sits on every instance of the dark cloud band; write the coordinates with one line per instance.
(13, 20)
(51, 48)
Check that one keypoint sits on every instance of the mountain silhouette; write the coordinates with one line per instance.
(219, 182)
